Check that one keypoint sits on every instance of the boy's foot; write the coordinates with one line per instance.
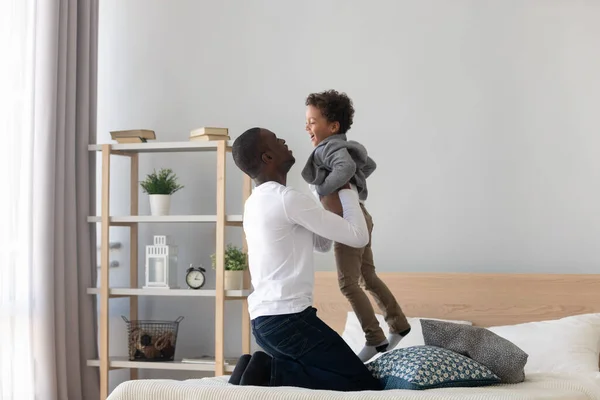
(240, 368)
(258, 371)
(369, 352)
(395, 338)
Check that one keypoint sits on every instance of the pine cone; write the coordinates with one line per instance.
(146, 340)
(151, 352)
(168, 352)
(163, 340)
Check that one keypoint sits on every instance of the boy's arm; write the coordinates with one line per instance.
(350, 230)
(369, 167)
(342, 168)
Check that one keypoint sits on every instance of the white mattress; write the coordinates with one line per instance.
(536, 387)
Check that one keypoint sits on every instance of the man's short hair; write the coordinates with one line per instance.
(247, 152)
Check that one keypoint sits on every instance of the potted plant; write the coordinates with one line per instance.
(160, 186)
(235, 264)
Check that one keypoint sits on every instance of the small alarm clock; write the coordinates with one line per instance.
(194, 277)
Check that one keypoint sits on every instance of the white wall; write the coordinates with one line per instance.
(480, 114)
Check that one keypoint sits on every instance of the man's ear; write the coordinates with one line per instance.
(266, 158)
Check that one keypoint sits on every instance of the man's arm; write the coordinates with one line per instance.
(320, 244)
(342, 168)
(350, 230)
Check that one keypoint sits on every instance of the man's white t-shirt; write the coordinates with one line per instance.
(283, 227)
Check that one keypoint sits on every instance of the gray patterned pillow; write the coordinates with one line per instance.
(501, 356)
(428, 367)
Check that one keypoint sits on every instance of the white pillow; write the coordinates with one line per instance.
(567, 345)
(355, 337)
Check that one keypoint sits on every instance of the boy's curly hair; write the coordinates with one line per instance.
(334, 106)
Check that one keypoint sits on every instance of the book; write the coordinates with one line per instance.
(141, 133)
(209, 131)
(136, 139)
(210, 137)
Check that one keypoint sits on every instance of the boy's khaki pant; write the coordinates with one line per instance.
(356, 266)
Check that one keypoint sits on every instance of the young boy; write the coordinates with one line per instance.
(334, 162)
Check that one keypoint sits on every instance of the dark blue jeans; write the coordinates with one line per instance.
(307, 353)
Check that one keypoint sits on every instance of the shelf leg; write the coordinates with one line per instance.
(104, 272)
(220, 262)
(133, 246)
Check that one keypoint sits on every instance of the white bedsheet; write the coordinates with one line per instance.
(536, 387)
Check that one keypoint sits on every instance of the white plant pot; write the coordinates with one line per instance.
(234, 280)
(160, 204)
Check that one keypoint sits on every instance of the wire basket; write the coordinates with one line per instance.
(152, 340)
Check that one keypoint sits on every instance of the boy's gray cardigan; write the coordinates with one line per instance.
(336, 161)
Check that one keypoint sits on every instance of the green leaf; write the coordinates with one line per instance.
(235, 259)
(163, 182)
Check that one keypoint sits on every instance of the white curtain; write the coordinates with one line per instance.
(47, 118)
(16, 135)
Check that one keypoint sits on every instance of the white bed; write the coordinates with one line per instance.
(563, 352)
(536, 387)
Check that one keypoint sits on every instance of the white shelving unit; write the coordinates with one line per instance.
(231, 220)
(123, 362)
(161, 147)
(125, 292)
(221, 220)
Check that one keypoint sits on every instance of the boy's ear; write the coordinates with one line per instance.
(335, 127)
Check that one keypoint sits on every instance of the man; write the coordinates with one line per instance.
(282, 228)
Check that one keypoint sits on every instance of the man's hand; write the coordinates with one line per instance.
(332, 203)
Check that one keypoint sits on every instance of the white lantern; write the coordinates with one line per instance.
(161, 264)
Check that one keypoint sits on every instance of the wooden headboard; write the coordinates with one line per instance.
(484, 299)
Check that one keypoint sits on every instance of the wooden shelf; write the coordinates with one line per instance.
(161, 147)
(233, 220)
(177, 365)
(125, 292)
(105, 363)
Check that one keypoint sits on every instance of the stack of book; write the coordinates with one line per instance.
(133, 136)
(209, 134)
